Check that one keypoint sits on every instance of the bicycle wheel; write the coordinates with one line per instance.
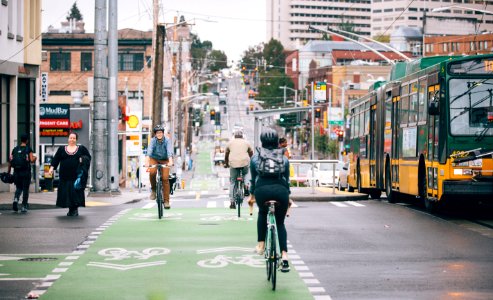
(159, 199)
(273, 257)
(268, 262)
(239, 196)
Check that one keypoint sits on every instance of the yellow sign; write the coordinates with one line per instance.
(133, 121)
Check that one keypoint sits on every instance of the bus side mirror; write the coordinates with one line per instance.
(433, 107)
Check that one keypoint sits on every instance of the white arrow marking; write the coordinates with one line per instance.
(125, 267)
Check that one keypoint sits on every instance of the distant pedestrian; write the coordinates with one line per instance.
(283, 144)
(21, 158)
(69, 159)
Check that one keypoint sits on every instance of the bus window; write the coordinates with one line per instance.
(413, 103)
(423, 106)
(403, 111)
(367, 122)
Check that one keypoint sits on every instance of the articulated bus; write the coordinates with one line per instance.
(427, 132)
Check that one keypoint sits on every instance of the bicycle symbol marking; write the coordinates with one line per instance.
(121, 253)
(222, 260)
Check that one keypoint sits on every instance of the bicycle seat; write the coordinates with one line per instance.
(269, 202)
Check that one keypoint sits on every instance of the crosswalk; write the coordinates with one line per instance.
(223, 201)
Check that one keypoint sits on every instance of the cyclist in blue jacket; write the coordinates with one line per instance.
(160, 151)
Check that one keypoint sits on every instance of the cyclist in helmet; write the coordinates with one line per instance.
(263, 189)
(237, 157)
(160, 151)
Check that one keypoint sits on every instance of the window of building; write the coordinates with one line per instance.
(130, 61)
(85, 62)
(60, 61)
(4, 119)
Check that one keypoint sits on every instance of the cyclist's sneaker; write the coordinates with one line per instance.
(15, 205)
(153, 195)
(258, 250)
(232, 205)
(285, 266)
(24, 209)
(166, 205)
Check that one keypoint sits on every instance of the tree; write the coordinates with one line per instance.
(218, 60)
(199, 52)
(252, 57)
(269, 90)
(74, 13)
(274, 54)
(347, 26)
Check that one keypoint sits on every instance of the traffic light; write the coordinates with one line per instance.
(340, 135)
(213, 114)
(317, 112)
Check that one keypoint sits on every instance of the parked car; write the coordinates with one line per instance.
(325, 175)
(343, 176)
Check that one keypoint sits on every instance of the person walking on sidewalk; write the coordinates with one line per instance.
(160, 151)
(237, 158)
(69, 158)
(21, 159)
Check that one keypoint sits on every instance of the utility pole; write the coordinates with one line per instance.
(113, 97)
(100, 133)
(179, 102)
(157, 92)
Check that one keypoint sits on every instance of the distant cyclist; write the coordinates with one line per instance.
(160, 151)
(263, 189)
(237, 158)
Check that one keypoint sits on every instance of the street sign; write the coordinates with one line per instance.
(320, 92)
(340, 123)
(44, 86)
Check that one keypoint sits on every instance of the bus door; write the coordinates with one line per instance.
(395, 142)
(373, 144)
(433, 136)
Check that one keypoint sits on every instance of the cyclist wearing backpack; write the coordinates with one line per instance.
(270, 181)
(21, 158)
(237, 157)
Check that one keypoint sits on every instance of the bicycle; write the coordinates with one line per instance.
(159, 188)
(271, 252)
(239, 191)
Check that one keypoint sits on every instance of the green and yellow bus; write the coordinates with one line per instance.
(426, 132)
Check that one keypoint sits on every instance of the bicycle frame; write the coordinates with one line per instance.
(238, 191)
(159, 188)
(272, 254)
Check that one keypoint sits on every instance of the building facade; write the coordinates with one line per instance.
(20, 58)
(68, 63)
(459, 44)
(288, 20)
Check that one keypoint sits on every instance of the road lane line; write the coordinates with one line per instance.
(354, 203)
(338, 204)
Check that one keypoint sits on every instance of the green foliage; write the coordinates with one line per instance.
(268, 88)
(199, 52)
(328, 148)
(274, 54)
(74, 13)
(347, 26)
(251, 57)
(218, 60)
(382, 38)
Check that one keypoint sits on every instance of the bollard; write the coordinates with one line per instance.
(183, 184)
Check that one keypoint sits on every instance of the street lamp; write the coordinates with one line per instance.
(295, 93)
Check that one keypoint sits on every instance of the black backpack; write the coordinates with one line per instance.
(270, 163)
(20, 159)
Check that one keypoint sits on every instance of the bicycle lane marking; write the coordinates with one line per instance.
(188, 257)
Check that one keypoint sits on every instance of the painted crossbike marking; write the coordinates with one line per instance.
(222, 260)
(122, 267)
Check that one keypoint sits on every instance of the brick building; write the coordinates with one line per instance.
(459, 44)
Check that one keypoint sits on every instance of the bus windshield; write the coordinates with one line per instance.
(471, 107)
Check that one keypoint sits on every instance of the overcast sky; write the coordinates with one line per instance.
(236, 24)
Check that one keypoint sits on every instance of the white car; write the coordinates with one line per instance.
(325, 175)
(343, 175)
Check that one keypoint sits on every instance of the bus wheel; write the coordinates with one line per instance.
(358, 184)
(391, 197)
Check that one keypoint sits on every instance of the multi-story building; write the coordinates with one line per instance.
(390, 15)
(68, 62)
(459, 44)
(20, 58)
(288, 20)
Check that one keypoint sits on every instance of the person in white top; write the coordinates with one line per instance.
(237, 158)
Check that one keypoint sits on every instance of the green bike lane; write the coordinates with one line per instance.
(193, 253)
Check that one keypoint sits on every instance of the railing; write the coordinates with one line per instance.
(311, 180)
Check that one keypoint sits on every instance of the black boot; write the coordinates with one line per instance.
(72, 212)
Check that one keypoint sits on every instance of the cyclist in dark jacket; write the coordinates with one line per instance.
(263, 189)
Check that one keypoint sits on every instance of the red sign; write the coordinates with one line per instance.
(54, 123)
(53, 132)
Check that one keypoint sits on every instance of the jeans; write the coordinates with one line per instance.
(22, 180)
(233, 174)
